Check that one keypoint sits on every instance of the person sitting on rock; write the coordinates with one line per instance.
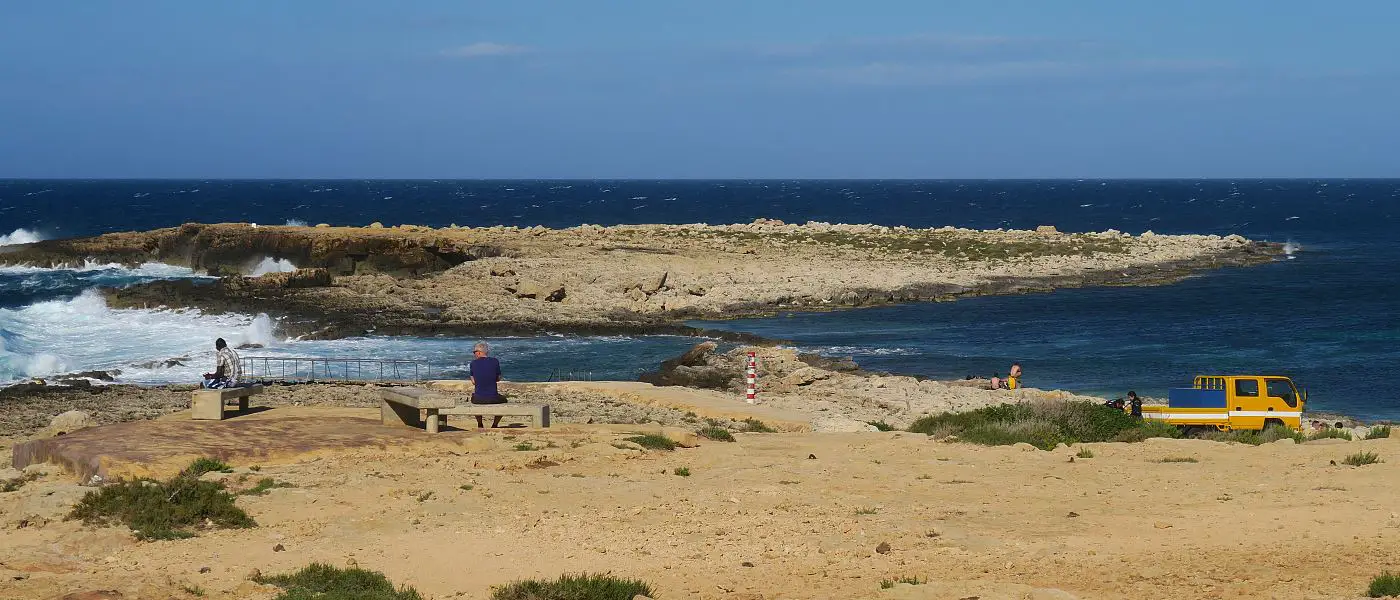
(227, 368)
(485, 372)
(1012, 381)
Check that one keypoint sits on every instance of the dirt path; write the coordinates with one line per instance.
(775, 516)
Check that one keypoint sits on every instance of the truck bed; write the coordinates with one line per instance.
(1194, 398)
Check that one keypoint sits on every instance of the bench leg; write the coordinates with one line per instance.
(392, 413)
(243, 404)
(542, 417)
(207, 407)
(434, 420)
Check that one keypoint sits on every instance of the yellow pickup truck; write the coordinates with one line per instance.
(1230, 402)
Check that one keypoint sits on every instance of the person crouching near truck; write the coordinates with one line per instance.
(1012, 381)
(485, 371)
(1135, 404)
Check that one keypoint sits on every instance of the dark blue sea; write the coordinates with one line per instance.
(1328, 315)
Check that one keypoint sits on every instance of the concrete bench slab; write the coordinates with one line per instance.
(401, 406)
(538, 413)
(209, 404)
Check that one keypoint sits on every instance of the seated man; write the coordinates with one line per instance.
(227, 368)
(485, 372)
(1012, 380)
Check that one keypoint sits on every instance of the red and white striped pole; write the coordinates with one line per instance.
(752, 394)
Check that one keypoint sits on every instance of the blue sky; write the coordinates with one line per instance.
(720, 88)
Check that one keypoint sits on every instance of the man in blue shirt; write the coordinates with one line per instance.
(485, 372)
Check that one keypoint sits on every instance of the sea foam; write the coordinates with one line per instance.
(20, 236)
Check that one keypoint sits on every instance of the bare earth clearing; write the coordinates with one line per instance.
(797, 515)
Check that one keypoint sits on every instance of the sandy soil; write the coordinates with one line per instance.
(773, 516)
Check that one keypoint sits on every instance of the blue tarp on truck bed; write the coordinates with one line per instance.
(1194, 398)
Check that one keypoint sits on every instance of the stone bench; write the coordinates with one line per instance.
(209, 404)
(537, 413)
(402, 406)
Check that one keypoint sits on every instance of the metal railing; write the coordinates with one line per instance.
(257, 368)
(558, 374)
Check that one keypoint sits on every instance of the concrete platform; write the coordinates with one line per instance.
(162, 447)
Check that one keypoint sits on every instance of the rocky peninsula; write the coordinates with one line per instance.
(619, 279)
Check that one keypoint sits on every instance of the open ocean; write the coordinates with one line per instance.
(1328, 315)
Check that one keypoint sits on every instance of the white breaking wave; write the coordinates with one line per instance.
(20, 236)
(295, 223)
(150, 269)
(83, 334)
(268, 265)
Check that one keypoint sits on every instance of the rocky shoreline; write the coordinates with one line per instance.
(628, 279)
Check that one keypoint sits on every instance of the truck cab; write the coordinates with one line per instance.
(1230, 402)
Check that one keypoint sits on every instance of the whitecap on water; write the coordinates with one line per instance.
(270, 265)
(20, 236)
(81, 334)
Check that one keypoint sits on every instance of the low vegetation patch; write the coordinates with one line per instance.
(1179, 459)
(683, 471)
(1084, 453)
(652, 442)
(1384, 585)
(323, 582)
(886, 584)
(1042, 424)
(264, 486)
(573, 587)
(12, 485)
(163, 510)
(1270, 434)
(718, 434)
(207, 465)
(753, 425)
(1361, 459)
(881, 425)
(525, 447)
(1378, 432)
(866, 510)
(1330, 433)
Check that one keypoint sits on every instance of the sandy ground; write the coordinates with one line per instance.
(772, 516)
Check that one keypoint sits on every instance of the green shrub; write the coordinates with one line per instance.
(264, 485)
(881, 425)
(718, 434)
(753, 425)
(11, 485)
(1042, 424)
(1085, 453)
(323, 582)
(157, 510)
(1179, 459)
(207, 465)
(573, 587)
(525, 447)
(1378, 432)
(683, 471)
(1340, 434)
(1361, 459)
(652, 442)
(886, 584)
(1384, 585)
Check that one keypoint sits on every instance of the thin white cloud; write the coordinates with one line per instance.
(485, 50)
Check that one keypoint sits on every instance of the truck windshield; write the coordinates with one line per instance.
(1281, 388)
